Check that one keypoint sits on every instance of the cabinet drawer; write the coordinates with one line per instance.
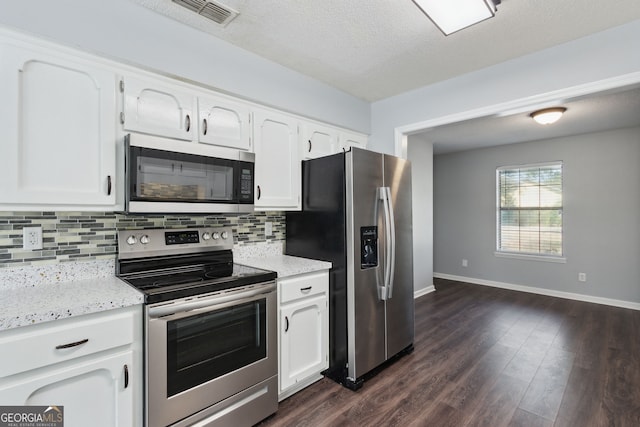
(302, 286)
(32, 347)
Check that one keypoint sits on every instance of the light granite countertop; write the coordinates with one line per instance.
(37, 304)
(36, 294)
(286, 265)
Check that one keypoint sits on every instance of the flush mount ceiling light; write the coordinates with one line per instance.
(453, 15)
(548, 115)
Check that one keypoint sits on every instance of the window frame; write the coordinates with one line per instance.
(534, 256)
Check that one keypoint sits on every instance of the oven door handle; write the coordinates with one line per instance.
(207, 302)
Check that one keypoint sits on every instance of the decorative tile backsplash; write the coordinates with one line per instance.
(79, 236)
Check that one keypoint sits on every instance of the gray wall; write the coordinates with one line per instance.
(601, 214)
(420, 153)
(124, 30)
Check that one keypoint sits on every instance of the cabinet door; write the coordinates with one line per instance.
(277, 167)
(224, 122)
(318, 141)
(303, 340)
(158, 108)
(57, 127)
(350, 139)
(94, 392)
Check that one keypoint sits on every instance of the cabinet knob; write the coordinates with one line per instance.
(204, 126)
(187, 123)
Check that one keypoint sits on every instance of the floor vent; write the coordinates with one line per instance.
(213, 10)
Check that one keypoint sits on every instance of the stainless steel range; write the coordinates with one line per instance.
(210, 328)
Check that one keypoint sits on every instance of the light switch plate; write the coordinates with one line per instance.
(268, 228)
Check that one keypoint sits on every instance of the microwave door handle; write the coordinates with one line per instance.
(392, 243)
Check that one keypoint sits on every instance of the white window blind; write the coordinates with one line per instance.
(529, 219)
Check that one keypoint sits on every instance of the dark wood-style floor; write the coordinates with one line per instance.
(492, 357)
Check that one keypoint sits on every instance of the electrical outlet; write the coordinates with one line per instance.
(465, 263)
(582, 277)
(268, 228)
(32, 238)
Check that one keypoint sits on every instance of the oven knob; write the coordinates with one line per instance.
(131, 240)
(206, 235)
(144, 239)
(216, 235)
(225, 235)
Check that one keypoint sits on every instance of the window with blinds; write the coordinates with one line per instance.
(530, 209)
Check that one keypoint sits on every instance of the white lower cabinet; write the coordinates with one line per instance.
(303, 331)
(96, 392)
(90, 365)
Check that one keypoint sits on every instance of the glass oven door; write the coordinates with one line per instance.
(203, 350)
(206, 346)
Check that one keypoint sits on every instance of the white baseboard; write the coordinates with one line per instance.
(541, 291)
(423, 291)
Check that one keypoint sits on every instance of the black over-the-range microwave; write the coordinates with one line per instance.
(169, 176)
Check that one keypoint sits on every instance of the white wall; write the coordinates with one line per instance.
(420, 153)
(600, 56)
(601, 234)
(124, 30)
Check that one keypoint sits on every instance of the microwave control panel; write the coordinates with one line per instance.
(246, 182)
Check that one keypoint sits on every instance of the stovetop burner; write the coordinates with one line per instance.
(168, 270)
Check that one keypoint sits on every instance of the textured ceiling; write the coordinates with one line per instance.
(374, 49)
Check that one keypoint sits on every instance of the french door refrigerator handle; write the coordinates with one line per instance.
(383, 195)
(392, 244)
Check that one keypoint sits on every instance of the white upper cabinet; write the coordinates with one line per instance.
(224, 122)
(158, 108)
(318, 141)
(57, 129)
(277, 167)
(352, 139)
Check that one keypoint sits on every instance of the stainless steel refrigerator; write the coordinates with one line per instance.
(356, 213)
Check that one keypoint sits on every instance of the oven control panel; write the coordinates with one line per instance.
(155, 242)
(182, 237)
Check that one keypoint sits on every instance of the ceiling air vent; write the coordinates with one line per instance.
(213, 10)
